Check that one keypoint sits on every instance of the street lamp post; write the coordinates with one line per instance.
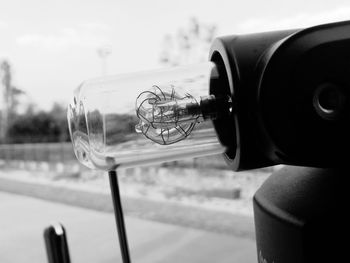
(103, 53)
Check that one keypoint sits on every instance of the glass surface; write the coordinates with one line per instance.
(144, 118)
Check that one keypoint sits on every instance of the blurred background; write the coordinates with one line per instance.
(194, 210)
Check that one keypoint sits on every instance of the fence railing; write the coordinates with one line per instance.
(38, 152)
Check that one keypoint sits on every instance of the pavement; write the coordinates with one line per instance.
(92, 236)
(189, 216)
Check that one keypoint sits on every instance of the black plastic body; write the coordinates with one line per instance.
(301, 216)
(237, 58)
(273, 78)
(291, 105)
(56, 244)
(291, 74)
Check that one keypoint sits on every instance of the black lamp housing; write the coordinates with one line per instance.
(290, 95)
(290, 91)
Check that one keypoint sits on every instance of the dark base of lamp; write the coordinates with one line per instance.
(301, 215)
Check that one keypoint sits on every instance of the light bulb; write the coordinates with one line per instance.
(146, 118)
(167, 117)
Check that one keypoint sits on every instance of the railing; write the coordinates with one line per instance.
(38, 152)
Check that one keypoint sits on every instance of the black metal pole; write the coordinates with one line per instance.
(119, 216)
(56, 244)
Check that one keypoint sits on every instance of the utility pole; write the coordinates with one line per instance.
(103, 53)
(5, 73)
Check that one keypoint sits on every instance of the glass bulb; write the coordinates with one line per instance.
(145, 118)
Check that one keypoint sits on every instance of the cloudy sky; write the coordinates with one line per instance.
(52, 44)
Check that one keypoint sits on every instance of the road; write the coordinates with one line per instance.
(92, 236)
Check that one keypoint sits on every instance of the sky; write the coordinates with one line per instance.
(52, 45)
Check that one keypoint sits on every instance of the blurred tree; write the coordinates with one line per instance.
(10, 95)
(36, 127)
(189, 45)
(59, 114)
